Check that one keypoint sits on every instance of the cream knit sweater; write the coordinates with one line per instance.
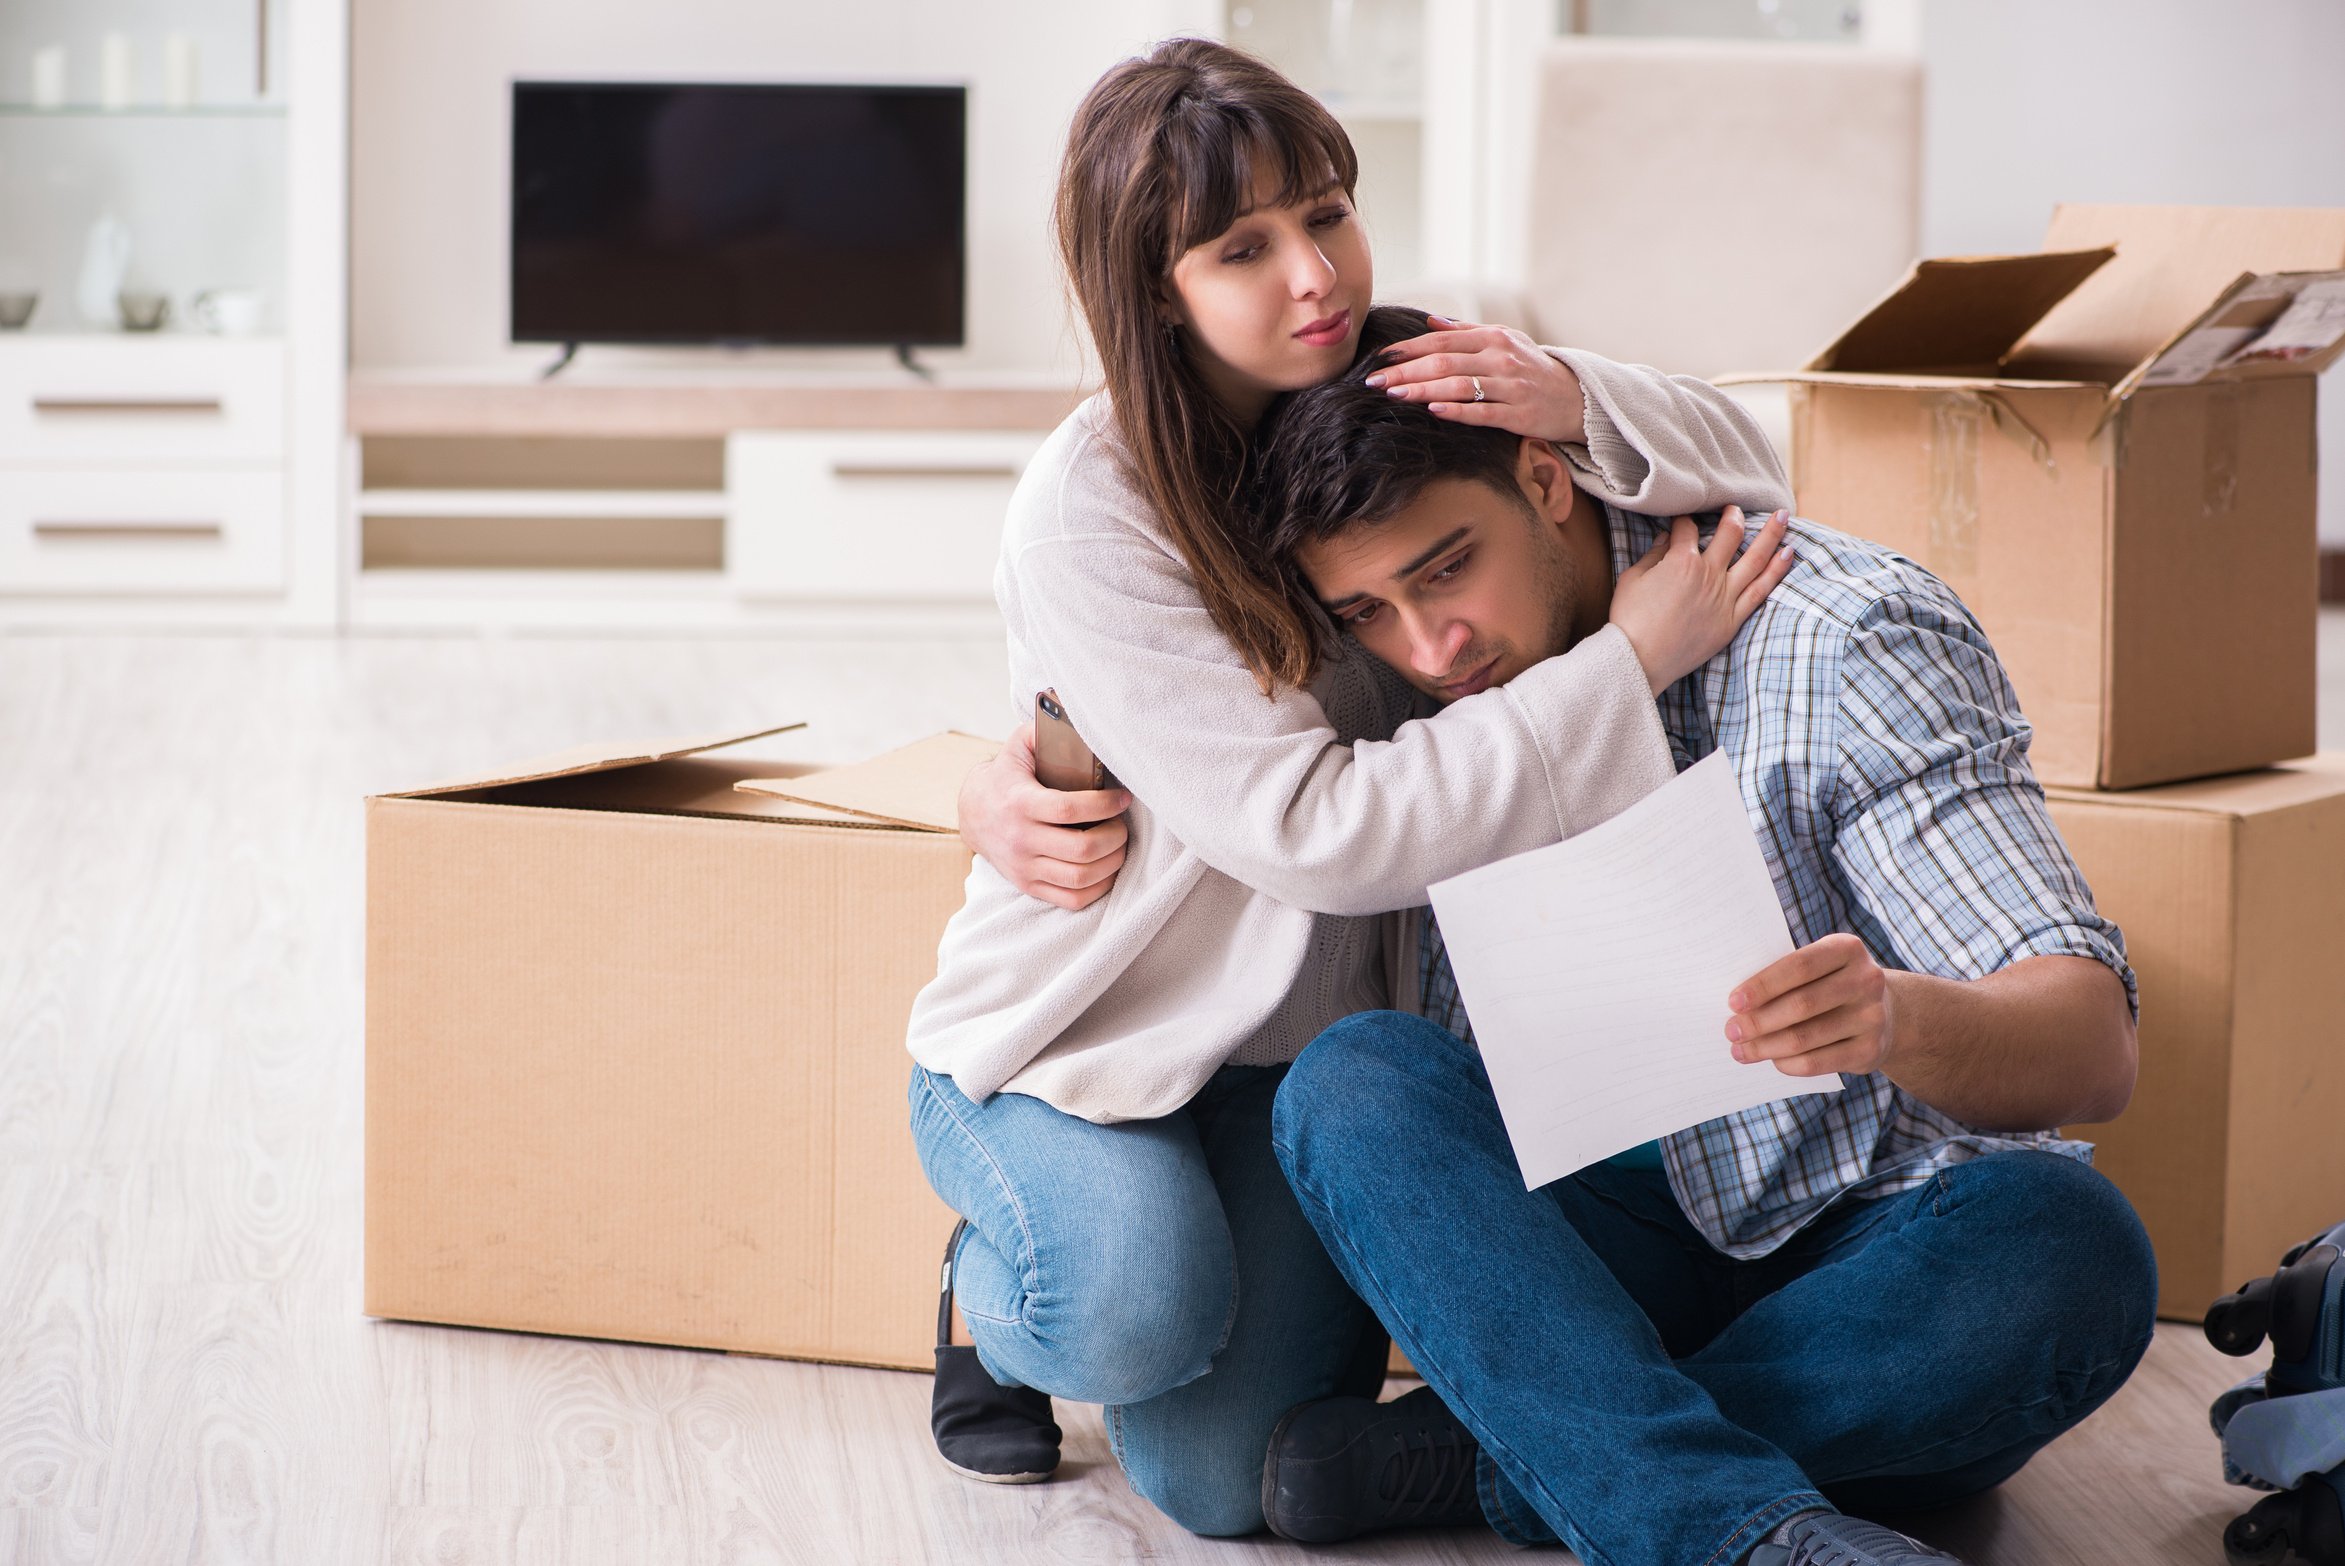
(1252, 813)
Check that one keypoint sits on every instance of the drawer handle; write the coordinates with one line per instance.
(1009, 470)
(80, 528)
(126, 405)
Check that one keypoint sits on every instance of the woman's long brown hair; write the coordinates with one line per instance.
(1163, 155)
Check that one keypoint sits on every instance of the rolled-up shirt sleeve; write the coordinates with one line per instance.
(1942, 840)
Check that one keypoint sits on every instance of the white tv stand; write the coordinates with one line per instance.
(673, 500)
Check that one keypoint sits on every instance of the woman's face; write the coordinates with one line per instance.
(1274, 302)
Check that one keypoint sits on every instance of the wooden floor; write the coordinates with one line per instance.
(184, 1372)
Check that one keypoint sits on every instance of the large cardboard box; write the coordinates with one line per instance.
(2108, 450)
(635, 1049)
(2231, 893)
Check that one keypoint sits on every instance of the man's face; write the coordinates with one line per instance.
(1464, 589)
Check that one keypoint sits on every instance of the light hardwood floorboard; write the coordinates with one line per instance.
(185, 1374)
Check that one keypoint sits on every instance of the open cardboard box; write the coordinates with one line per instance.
(635, 1048)
(2108, 450)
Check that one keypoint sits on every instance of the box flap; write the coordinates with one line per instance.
(2310, 780)
(1905, 380)
(2275, 323)
(918, 785)
(2171, 263)
(600, 757)
(1959, 314)
(701, 785)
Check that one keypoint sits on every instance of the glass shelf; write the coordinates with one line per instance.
(145, 111)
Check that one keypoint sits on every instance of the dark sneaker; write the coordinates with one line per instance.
(1344, 1466)
(1833, 1539)
(984, 1430)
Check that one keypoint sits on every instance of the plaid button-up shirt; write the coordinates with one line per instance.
(1883, 759)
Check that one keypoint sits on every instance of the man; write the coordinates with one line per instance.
(1882, 1299)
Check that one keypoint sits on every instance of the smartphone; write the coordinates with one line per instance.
(1061, 759)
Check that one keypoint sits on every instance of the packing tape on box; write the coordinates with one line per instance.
(2111, 433)
(1956, 418)
(2219, 465)
(1795, 399)
(2218, 445)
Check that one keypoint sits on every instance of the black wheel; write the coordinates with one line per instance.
(2261, 1536)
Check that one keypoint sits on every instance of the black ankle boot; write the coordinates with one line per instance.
(984, 1430)
(1345, 1466)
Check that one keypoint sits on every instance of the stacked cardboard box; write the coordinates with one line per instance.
(2231, 892)
(635, 1048)
(2108, 449)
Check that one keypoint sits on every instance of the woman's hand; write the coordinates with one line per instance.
(1682, 603)
(1033, 835)
(1524, 388)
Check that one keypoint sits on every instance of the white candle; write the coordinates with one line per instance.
(114, 84)
(179, 71)
(49, 77)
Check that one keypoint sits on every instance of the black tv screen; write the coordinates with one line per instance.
(736, 213)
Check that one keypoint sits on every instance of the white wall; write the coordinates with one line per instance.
(2032, 102)
(430, 148)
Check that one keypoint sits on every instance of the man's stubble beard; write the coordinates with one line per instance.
(1558, 581)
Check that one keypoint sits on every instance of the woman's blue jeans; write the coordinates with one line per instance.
(1653, 1402)
(1159, 1267)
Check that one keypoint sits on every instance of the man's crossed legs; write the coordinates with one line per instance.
(1652, 1402)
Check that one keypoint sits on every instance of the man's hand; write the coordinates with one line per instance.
(2045, 1042)
(1826, 1007)
(1034, 835)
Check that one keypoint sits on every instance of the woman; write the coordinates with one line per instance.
(1093, 1086)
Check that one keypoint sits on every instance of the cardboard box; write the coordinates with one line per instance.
(2108, 450)
(2231, 893)
(635, 1049)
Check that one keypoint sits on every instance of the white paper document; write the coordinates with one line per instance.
(1596, 973)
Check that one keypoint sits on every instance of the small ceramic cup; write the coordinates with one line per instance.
(231, 312)
(15, 310)
(143, 312)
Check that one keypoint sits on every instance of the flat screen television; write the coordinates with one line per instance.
(738, 213)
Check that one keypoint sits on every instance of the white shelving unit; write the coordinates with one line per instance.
(831, 517)
(180, 478)
(847, 505)
(571, 504)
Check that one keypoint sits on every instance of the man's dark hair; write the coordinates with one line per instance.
(1342, 454)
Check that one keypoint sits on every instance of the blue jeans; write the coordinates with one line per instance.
(1652, 1402)
(1159, 1267)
